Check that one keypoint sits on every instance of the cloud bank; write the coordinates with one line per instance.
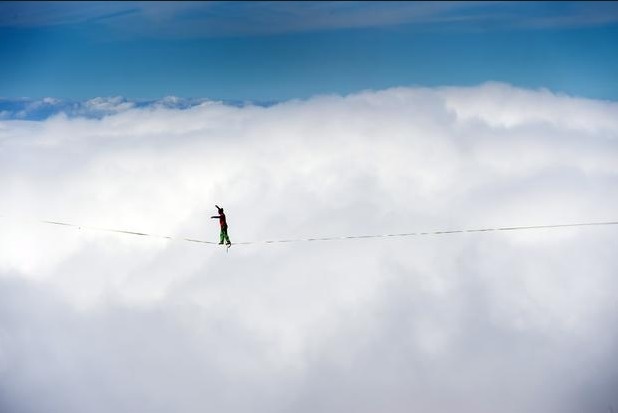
(99, 107)
(515, 322)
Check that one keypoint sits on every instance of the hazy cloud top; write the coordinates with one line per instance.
(521, 322)
(41, 109)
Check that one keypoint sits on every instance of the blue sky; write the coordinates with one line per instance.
(268, 51)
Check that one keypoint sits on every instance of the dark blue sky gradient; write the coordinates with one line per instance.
(86, 59)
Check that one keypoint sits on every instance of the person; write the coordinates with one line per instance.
(222, 221)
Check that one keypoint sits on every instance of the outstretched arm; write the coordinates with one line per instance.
(216, 216)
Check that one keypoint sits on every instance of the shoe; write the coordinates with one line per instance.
(220, 243)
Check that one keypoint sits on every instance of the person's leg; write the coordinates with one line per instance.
(221, 236)
(227, 238)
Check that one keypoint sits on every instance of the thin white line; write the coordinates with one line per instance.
(341, 238)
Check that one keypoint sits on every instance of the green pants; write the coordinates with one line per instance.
(224, 237)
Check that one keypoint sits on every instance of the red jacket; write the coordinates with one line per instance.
(221, 217)
(222, 221)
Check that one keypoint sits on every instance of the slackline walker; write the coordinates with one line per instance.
(224, 237)
(223, 222)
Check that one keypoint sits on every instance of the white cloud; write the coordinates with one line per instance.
(33, 109)
(520, 321)
(109, 105)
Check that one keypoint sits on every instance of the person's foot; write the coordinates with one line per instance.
(229, 243)
(221, 243)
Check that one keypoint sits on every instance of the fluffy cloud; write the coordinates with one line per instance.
(520, 321)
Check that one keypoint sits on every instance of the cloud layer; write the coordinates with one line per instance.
(516, 322)
(41, 109)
